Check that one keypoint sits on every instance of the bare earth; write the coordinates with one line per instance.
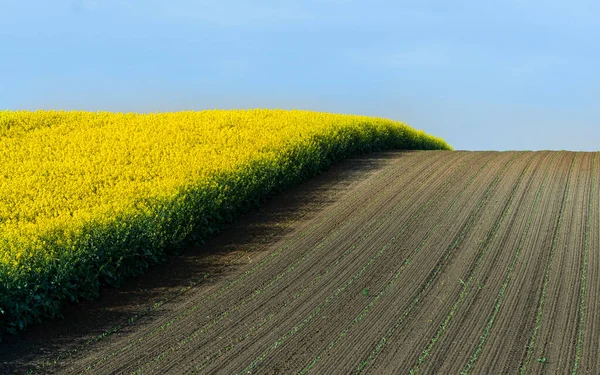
(430, 262)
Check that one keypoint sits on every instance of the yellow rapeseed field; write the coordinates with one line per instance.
(88, 197)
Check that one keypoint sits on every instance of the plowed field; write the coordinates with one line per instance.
(432, 262)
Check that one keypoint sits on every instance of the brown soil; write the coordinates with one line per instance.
(424, 262)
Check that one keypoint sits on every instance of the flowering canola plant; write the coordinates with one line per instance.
(91, 197)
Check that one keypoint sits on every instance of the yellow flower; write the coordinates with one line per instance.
(62, 171)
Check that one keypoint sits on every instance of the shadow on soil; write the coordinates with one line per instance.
(43, 347)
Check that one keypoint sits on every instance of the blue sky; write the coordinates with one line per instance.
(510, 74)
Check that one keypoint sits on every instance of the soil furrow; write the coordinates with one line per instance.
(590, 338)
(395, 262)
(517, 193)
(584, 267)
(466, 333)
(333, 297)
(341, 186)
(496, 317)
(384, 220)
(418, 298)
(303, 236)
(542, 360)
(559, 309)
(286, 280)
(496, 347)
(405, 226)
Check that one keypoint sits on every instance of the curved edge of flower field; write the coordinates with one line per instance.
(65, 266)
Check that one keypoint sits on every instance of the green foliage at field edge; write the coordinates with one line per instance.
(110, 252)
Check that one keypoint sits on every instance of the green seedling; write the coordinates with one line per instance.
(543, 361)
(366, 292)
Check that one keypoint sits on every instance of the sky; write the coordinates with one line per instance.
(484, 75)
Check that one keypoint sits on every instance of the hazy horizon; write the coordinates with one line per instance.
(520, 75)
